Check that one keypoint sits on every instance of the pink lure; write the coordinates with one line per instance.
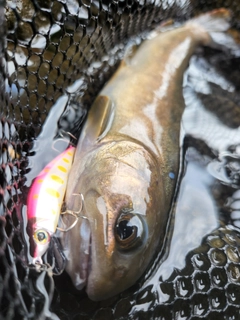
(45, 201)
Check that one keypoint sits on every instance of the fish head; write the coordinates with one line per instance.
(40, 237)
(123, 218)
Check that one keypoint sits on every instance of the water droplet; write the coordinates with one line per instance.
(172, 175)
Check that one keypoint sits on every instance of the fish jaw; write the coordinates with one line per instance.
(79, 256)
(115, 268)
(114, 192)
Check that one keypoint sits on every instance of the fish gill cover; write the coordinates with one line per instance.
(56, 55)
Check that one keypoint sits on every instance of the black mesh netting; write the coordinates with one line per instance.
(69, 48)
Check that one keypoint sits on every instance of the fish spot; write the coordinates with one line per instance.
(69, 153)
(53, 192)
(54, 211)
(61, 168)
(46, 169)
(66, 160)
(57, 178)
(35, 196)
(40, 180)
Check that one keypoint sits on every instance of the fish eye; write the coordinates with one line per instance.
(129, 231)
(41, 236)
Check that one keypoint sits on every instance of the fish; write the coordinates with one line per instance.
(44, 202)
(126, 163)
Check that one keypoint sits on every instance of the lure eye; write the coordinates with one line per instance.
(129, 231)
(41, 236)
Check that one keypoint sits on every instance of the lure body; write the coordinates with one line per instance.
(45, 201)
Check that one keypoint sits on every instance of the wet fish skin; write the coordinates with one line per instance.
(128, 147)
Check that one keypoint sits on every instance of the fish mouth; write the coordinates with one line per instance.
(84, 257)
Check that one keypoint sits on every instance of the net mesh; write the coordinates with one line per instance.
(50, 49)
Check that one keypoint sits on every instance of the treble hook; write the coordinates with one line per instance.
(39, 266)
(67, 132)
(75, 214)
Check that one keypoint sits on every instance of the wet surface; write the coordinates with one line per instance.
(196, 276)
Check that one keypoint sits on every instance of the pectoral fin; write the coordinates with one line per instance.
(98, 122)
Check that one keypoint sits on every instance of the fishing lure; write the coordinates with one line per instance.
(45, 201)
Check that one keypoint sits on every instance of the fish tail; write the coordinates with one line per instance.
(217, 20)
(207, 25)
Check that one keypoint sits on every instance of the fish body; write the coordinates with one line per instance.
(127, 159)
(44, 202)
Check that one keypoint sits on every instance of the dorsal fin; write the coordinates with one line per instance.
(98, 121)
